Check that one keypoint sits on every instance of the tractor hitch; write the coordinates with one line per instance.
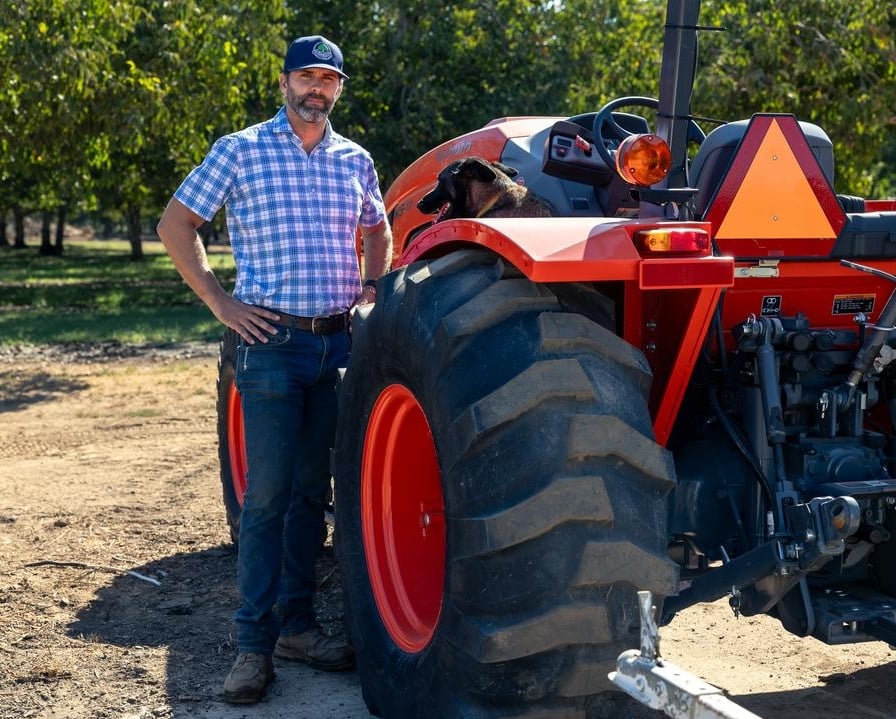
(656, 683)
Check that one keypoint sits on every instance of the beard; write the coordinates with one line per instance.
(298, 103)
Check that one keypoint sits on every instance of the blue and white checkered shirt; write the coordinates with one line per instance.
(292, 217)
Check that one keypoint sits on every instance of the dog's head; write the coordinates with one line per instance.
(452, 193)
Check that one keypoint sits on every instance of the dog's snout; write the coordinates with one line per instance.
(433, 200)
(429, 202)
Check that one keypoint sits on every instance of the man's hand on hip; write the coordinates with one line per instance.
(248, 321)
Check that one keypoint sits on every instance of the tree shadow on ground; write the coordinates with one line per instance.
(20, 390)
(189, 612)
(867, 693)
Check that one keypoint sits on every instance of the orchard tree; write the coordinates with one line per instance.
(107, 105)
(55, 57)
(830, 63)
(190, 71)
(424, 73)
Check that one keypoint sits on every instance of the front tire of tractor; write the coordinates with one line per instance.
(231, 447)
(500, 497)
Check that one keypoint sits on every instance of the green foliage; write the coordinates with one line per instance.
(831, 63)
(106, 105)
(425, 72)
(54, 55)
(189, 72)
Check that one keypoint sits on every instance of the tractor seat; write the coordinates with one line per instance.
(713, 158)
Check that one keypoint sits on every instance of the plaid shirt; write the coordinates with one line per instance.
(292, 217)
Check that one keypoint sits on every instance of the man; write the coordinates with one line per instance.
(295, 193)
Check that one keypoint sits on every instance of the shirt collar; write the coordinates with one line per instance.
(280, 124)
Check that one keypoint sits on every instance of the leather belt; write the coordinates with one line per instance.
(320, 325)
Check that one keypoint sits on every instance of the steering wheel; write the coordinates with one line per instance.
(605, 123)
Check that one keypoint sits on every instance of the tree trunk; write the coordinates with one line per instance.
(61, 215)
(19, 224)
(134, 233)
(4, 238)
(46, 247)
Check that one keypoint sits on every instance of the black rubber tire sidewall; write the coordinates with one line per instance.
(227, 359)
(416, 336)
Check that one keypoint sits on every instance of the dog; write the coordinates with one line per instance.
(474, 187)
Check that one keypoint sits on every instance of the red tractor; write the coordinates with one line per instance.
(680, 383)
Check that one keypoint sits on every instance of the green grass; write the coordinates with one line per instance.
(93, 292)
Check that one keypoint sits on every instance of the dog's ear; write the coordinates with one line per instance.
(451, 169)
(478, 169)
(506, 169)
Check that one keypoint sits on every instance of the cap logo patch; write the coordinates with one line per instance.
(322, 51)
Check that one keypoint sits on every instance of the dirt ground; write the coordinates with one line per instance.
(116, 571)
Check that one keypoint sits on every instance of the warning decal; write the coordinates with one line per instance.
(851, 304)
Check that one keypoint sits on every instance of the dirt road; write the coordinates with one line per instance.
(116, 573)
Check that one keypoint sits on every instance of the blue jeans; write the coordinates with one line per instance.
(288, 393)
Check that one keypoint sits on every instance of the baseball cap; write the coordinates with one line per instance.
(313, 51)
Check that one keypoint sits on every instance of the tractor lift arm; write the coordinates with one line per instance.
(818, 529)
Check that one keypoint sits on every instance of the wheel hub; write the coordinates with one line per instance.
(403, 518)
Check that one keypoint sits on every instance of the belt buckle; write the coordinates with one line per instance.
(314, 329)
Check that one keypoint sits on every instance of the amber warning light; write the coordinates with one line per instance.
(673, 240)
(643, 159)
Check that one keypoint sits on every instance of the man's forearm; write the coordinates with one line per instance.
(177, 230)
(377, 244)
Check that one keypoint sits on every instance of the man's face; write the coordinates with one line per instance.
(311, 93)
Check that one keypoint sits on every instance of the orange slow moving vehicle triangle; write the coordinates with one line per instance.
(775, 190)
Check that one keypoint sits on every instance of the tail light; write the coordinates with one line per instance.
(643, 159)
(673, 240)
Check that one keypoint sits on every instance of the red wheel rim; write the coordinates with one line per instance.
(236, 444)
(403, 518)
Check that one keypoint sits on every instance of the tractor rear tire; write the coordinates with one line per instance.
(231, 447)
(500, 497)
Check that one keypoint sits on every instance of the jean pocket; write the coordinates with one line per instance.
(279, 337)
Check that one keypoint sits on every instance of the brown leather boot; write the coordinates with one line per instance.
(248, 679)
(317, 650)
